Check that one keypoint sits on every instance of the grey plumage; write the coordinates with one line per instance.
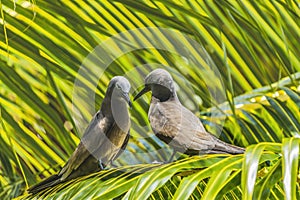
(104, 139)
(176, 125)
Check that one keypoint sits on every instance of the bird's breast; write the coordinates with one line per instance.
(161, 116)
(121, 117)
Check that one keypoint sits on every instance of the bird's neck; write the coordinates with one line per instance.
(106, 107)
(163, 94)
(155, 100)
(117, 110)
(121, 115)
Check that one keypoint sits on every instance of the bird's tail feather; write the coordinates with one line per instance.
(228, 148)
(49, 182)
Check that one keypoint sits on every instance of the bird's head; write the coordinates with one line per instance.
(118, 89)
(160, 82)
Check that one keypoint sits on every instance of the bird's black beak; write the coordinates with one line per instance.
(130, 103)
(143, 91)
(127, 98)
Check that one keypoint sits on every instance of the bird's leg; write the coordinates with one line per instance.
(172, 156)
(101, 165)
(112, 164)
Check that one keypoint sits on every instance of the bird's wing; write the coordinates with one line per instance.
(114, 141)
(123, 147)
(91, 140)
(199, 138)
(178, 126)
(164, 122)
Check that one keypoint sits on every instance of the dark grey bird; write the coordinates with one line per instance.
(176, 125)
(104, 139)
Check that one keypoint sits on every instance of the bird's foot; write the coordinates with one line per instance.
(113, 165)
(160, 162)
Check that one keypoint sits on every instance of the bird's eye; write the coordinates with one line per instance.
(98, 115)
(118, 86)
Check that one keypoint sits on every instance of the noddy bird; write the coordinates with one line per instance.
(176, 125)
(104, 139)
